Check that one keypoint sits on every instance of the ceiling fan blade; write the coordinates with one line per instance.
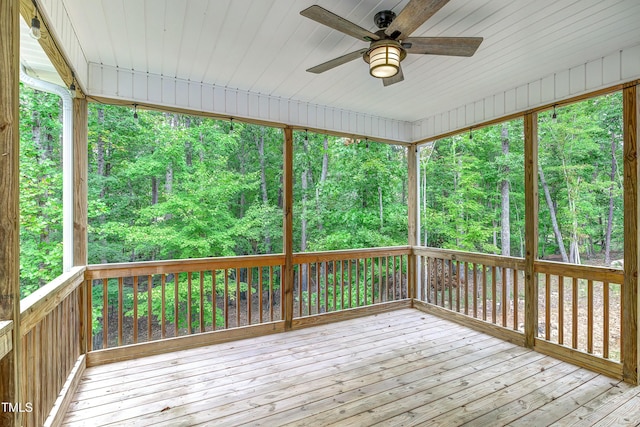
(336, 22)
(394, 79)
(451, 46)
(414, 14)
(337, 61)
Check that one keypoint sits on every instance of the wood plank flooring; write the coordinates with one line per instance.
(400, 368)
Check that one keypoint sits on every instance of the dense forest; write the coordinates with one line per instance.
(472, 186)
(165, 185)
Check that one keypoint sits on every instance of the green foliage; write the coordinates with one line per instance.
(40, 189)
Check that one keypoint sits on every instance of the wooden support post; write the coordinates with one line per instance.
(287, 210)
(80, 174)
(629, 296)
(412, 187)
(80, 207)
(531, 227)
(10, 365)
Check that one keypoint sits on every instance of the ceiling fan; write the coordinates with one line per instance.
(391, 43)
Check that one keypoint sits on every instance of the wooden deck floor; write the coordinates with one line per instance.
(399, 368)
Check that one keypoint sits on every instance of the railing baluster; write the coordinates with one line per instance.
(373, 280)
(271, 293)
(176, 311)
(494, 295)
(105, 312)
(318, 294)
(449, 284)
(515, 299)
(457, 267)
(547, 302)
(589, 316)
(505, 307)
(238, 297)
(357, 282)
(386, 278)
(335, 303)
(201, 301)
(380, 299)
(326, 286)
(560, 309)
(226, 298)
(403, 291)
(350, 280)
(466, 288)
(574, 313)
(189, 302)
(149, 308)
(163, 316)
(605, 320)
(214, 300)
(120, 309)
(394, 277)
(475, 291)
(300, 290)
(484, 292)
(135, 309)
(249, 293)
(260, 308)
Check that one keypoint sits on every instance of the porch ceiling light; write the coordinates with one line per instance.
(384, 58)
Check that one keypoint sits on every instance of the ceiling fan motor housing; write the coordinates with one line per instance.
(384, 18)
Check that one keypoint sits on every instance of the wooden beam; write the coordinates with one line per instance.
(287, 211)
(80, 175)
(49, 46)
(9, 196)
(531, 227)
(412, 188)
(629, 297)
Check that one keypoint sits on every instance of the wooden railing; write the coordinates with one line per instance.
(149, 301)
(579, 307)
(485, 287)
(332, 281)
(51, 324)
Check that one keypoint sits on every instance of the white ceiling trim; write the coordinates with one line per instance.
(618, 67)
(169, 92)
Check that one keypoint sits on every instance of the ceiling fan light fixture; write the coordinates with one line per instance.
(384, 61)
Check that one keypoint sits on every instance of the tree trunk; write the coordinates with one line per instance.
(607, 238)
(552, 213)
(100, 151)
(154, 191)
(505, 225)
(263, 185)
(380, 205)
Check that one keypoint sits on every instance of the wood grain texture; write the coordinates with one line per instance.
(629, 298)
(80, 176)
(531, 227)
(6, 339)
(128, 269)
(11, 364)
(473, 257)
(403, 367)
(287, 227)
(133, 351)
(40, 303)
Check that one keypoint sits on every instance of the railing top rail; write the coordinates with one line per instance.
(475, 257)
(45, 299)
(100, 271)
(592, 272)
(346, 254)
(6, 326)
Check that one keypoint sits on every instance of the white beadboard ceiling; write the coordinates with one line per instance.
(263, 47)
